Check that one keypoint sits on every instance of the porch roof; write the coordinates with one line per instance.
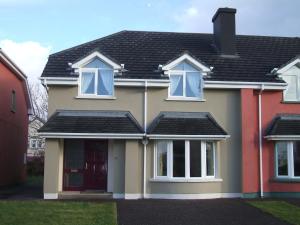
(91, 123)
(198, 125)
(284, 127)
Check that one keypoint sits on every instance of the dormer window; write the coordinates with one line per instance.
(186, 78)
(290, 73)
(96, 76)
(186, 81)
(97, 79)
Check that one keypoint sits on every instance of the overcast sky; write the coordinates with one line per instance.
(30, 30)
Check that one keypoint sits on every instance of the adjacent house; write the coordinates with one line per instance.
(36, 144)
(174, 115)
(15, 107)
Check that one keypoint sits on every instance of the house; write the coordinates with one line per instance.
(36, 144)
(15, 107)
(174, 115)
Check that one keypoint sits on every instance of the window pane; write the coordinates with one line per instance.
(97, 63)
(176, 85)
(74, 155)
(296, 151)
(193, 84)
(162, 152)
(291, 92)
(88, 83)
(210, 156)
(195, 158)
(105, 82)
(178, 159)
(282, 158)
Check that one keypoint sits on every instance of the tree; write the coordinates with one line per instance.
(39, 97)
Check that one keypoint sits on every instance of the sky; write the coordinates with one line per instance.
(30, 30)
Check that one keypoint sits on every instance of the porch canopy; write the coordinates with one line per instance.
(186, 125)
(284, 127)
(92, 124)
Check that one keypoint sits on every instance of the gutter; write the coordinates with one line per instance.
(260, 140)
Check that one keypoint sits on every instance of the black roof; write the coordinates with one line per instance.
(142, 52)
(185, 123)
(81, 121)
(284, 124)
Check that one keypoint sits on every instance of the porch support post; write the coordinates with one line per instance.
(53, 168)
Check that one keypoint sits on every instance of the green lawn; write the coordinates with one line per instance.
(279, 209)
(57, 213)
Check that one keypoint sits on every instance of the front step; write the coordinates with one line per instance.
(85, 195)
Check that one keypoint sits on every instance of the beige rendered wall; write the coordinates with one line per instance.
(133, 167)
(224, 105)
(53, 166)
(119, 166)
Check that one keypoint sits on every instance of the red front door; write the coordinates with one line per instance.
(95, 173)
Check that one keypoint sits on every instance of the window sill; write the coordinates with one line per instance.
(186, 180)
(285, 180)
(186, 99)
(290, 102)
(96, 97)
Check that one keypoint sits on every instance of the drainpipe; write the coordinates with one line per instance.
(145, 141)
(260, 141)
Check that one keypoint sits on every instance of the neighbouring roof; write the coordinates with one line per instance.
(185, 123)
(142, 52)
(84, 121)
(284, 124)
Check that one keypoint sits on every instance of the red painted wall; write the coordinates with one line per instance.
(13, 128)
(271, 106)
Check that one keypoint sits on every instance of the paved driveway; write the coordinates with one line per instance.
(191, 212)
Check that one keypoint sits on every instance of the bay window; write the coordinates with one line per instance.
(185, 159)
(287, 159)
(97, 79)
(185, 82)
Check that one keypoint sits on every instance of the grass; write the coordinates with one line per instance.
(57, 213)
(279, 209)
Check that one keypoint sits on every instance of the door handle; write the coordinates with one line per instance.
(94, 168)
(86, 165)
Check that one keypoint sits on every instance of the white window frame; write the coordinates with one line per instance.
(187, 176)
(290, 159)
(183, 74)
(96, 74)
(31, 143)
(285, 99)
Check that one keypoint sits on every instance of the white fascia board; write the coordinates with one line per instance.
(72, 81)
(288, 66)
(185, 137)
(244, 85)
(88, 58)
(189, 58)
(141, 82)
(283, 137)
(91, 135)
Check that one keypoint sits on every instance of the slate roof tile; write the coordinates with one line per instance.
(142, 52)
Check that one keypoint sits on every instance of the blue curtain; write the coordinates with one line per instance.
(105, 82)
(176, 85)
(88, 83)
(193, 84)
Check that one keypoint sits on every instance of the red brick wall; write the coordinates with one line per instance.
(13, 128)
(271, 106)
